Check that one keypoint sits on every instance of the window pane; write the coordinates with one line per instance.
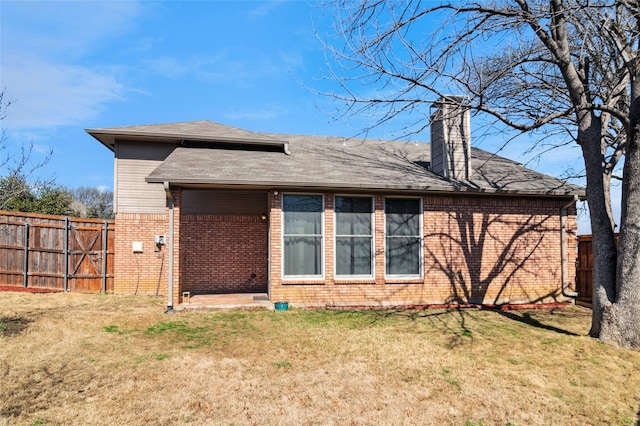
(353, 215)
(303, 214)
(353, 223)
(302, 223)
(302, 255)
(402, 216)
(402, 206)
(302, 203)
(353, 256)
(354, 235)
(403, 255)
(403, 224)
(353, 205)
(403, 236)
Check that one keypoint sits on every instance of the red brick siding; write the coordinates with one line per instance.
(493, 250)
(140, 273)
(477, 249)
(275, 239)
(218, 254)
(329, 240)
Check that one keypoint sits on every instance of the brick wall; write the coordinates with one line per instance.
(489, 250)
(213, 254)
(495, 250)
(477, 249)
(219, 254)
(145, 272)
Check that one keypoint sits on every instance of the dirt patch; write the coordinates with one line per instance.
(13, 326)
(29, 289)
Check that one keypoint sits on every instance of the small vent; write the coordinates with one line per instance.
(235, 146)
(424, 164)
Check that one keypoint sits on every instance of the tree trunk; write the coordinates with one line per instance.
(621, 321)
(604, 247)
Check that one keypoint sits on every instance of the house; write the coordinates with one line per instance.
(205, 208)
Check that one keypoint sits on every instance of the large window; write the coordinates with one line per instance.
(302, 235)
(354, 236)
(403, 237)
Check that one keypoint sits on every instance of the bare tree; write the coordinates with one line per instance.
(566, 69)
(93, 202)
(17, 167)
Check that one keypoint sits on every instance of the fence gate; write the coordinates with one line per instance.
(71, 254)
(584, 270)
(584, 273)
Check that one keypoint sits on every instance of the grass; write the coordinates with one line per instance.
(70, 359)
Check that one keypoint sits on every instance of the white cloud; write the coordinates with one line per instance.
(219, 68)
(58, 29)
(49, 94)
(44, 68)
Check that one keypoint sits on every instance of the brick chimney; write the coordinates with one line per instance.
(451, 138)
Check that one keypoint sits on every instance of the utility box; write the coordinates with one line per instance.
(160, 240)
(137, 246)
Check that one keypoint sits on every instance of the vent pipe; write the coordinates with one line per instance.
(451, 138)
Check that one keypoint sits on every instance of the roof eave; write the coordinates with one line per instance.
(345, 187)
(108, 138)
(104, 138)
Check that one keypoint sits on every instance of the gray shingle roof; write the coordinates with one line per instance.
(191, 130)
(326, 163)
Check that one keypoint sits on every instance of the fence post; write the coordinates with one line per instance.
(105, 248)
(66, 253)
(25, 279)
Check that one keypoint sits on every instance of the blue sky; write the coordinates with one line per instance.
(88, 64)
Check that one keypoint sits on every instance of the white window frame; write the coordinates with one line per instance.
(286, 277)
(420, 275)
(372, 236)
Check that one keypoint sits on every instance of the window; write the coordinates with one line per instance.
(354, 236)
(302, 235)
(403, 237)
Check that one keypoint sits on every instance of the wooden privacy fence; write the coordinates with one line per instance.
(584, 270)
(56, 252)
(584, 274)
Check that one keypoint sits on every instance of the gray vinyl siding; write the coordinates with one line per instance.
(134, 162)
(451, 143)
(438, 164)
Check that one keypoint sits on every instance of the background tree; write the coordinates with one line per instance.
(19, 180)
(566, 71)
(16, 192)
(93, 202)
(21, 190)
(47, 199)
(54, 200)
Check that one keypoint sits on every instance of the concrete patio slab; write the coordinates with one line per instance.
(227, 301)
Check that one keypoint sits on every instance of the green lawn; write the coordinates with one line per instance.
(94, 359)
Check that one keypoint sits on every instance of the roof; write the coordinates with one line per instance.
(183, 131)
(321, 162)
